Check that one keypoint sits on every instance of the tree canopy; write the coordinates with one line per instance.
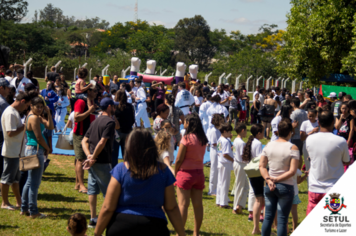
(13, 10)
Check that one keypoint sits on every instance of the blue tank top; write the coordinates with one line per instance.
(31, 137)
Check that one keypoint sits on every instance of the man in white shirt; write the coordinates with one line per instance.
(13, 132)
(8, 75)
(20, 81)
(140, 99)
(184, 99)
(328, 154)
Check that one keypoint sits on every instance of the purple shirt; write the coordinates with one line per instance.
(160, 93)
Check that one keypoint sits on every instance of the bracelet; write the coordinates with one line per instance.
(268, 178)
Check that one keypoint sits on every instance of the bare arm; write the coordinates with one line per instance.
(69, 94)
(351, 134)
(168, 163)
(99, 147)
(172, 210)
(262, 166)
(48, 123)
(16, 132)
(78, 117)
(303, 136)
(84, 88)
(117, 124)
(109, 206)
(338, 122)
(85, 146)
(180, 157)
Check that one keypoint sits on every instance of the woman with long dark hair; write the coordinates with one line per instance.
(252, 149)
(139, 193)
(284, 113)
(189, 170)
(270, 105)
(175, 114)
(125, 114)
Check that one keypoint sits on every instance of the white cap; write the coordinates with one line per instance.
(332, 95)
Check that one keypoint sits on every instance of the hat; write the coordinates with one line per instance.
(341, 94)
(332, 95)
(30, 86)
(105, 102)
(4, 82)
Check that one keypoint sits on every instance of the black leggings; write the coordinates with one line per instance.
(131, 225)
(158, 102)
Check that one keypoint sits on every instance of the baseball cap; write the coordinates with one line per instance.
(105, 102)
(341, 94)
(4, 82)
(332, 95)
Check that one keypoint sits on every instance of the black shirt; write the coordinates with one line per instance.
(35, 82)
(206, 89)
(52, 76)
(102, 127)
(153, 91)
(126, 118)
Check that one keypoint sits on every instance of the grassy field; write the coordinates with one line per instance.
(59, 200)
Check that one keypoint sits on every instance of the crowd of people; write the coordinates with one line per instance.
(193, 118)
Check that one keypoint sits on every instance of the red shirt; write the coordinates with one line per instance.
(79, 107)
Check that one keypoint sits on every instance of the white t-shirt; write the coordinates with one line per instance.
(223, 96)
(238, 147)
(327, 152)
(256, 148)
(10, 121)
(163, 155)
(198, 100)
(224, 147)
(213, 136)
(307, 126)
(274, 124)
(254, 95)
(295, 179)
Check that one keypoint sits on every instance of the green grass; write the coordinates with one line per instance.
(59, 200)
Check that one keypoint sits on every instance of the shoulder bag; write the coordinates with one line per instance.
(30, 162)
(252, 169)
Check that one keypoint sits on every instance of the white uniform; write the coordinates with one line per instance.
(129, 99)
(213, 109)
(241, 184)
(22, 84)
(61, 111)
(141, 112)
(213, 138)
(224, 168)
(184, 100)
(223, 96)
(203, 116)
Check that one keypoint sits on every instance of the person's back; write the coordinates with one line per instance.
(298, 115)
(126, 118)
(51, 76)
(327, 153)
(77, 85)
(194, 154)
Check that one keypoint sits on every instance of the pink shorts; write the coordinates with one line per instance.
(188, 179)
(314, 199)
(243, 115)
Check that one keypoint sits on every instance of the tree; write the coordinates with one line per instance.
(51, 14)
(318, 39)
(13, 10)
(193, 41)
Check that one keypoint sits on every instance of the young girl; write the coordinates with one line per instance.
(253, 149)
(198, 98)
(241, 181)
(243, 112)
(345, 126)
(61, 109)
(298, 179)
(161, 114)
(167, 126)
(213, 137)
(80, 85)
(77, 225)
(225, 166)
(163, 144)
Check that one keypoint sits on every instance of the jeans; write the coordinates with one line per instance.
(30, 190)
(281, 199)
(23, 180)
(233, 115)
(98, 178)
(123, 137)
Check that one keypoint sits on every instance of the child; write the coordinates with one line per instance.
(213, 137)
(61, 109)
(298, 179)
(198, 98)
(168, 127)
(241, 185)
(77, 225)
(163, 144)
(224, 166)
(243, 112)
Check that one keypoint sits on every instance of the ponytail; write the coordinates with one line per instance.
(255, 129)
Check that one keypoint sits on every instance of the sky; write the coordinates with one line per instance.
(244, 15)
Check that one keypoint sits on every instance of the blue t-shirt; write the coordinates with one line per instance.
(243, 105)
(142, 197)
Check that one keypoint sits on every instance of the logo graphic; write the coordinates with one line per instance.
(335, 206)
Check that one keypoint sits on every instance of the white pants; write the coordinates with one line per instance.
(213, 179)
(222, 192)
(141, 113)
(242, 185)
(60, 117)
(251, 197)
(205, 127)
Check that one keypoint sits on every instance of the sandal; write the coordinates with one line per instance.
(10, 208)
(85, 191)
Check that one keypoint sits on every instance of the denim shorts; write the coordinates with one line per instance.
(296, 200)
(98, 178)
(11, 173)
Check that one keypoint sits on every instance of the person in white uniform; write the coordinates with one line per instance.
(225, 166)
(241, 185)
(202, 113)
(184, 99)
(141, 112)
(214, 108)
(61, 110)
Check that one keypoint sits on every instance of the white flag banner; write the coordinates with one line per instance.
(335, 214)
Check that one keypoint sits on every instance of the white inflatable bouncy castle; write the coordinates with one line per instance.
(180, 71)
(135, 65)
(151, 67)
(149, 75)
(193, 70)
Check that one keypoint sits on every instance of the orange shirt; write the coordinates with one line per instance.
(194, 155)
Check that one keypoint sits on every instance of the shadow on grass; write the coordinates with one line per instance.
(8, 227)
(58, 179)
(64, 213)
(55, 174)
(53, 197)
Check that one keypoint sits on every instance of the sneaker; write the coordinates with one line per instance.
(250, 217)
(261, 218)
(92, 223)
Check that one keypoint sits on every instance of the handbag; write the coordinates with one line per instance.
(252, 169)
(30, 162)
(64, 141)
(262, 111)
